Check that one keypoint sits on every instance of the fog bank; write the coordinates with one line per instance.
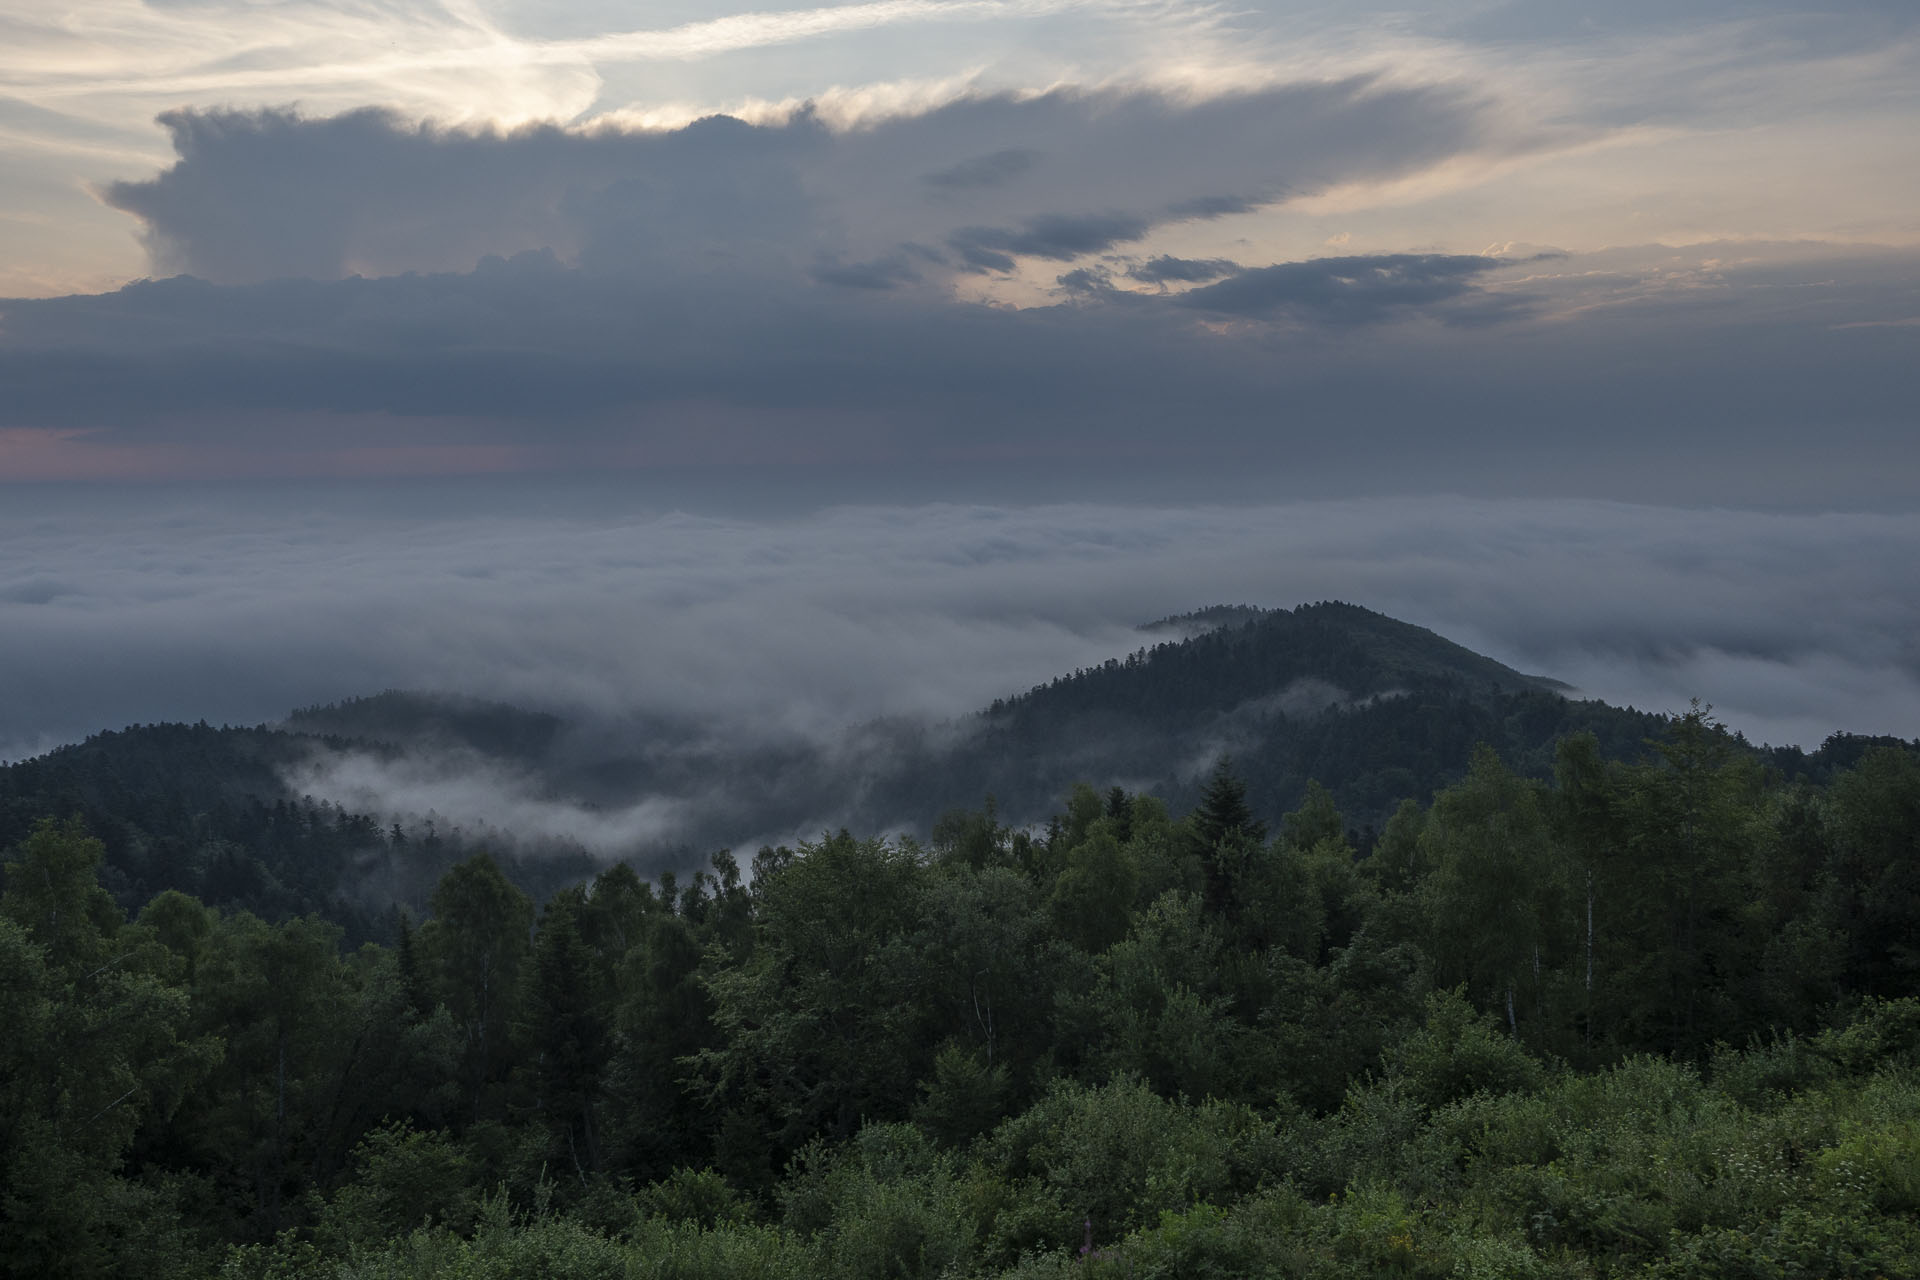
(131, 605)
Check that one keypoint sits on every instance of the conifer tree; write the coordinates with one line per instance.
(1223, 810)
(1226, 831)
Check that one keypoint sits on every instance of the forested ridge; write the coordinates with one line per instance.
(1375, 710)
(208, 811)
(1655, 1016)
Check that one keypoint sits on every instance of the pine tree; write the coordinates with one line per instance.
(1226, 832)
(1223, 810)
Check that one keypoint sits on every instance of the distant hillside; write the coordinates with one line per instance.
(439, 720)
(1377, 710)
(208, 811)
(1181, 626)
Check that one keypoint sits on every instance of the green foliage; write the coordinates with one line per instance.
(963, 1099)
(1109, 1160)
(821, 1025)
(208, 811)
(97, 1044)
(1093, 897)
(53, 892)
(404, 1179)
(1497, 904)
(282, 1000)
(1875, 889)
(989, 962)
(1799, 1242)
(1223, 813)
(568, 1019)
(699, 1197)
(1459, 1053)
(476, 948)
(1316, 821)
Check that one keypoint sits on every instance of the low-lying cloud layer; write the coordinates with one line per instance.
(137, 605)
(484, 799)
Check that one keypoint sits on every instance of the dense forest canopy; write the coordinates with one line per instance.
(1656, 1016)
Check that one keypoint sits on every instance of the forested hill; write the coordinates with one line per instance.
(409, 720)
(1231, 654)
(1376, 710)
(208, 811)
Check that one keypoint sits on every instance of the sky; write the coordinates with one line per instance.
(813, 363)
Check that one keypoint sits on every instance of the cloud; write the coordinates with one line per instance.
(1088, 280)
(995, 169)
(484, 799)
(1166, 269)
(884, 273)
(1213, 206)
(795, 293)
(1054, 237)
(457, 61)
(1712, 374)
(239, 604)
(258, 195)
(1353, 290)
(1646, 122)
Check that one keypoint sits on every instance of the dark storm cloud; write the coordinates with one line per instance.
(1166, 269)
(1343, 291)
(1056, 237)
(262, 194)
(1084, 280)
(528, 339)
(885, 273)
(1213, 206)
(1656, 378)
(992, 170)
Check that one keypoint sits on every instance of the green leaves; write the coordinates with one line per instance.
(97, 1044)
(822, 1025)
(477, 945)
(53, 892)
(1240, 1057)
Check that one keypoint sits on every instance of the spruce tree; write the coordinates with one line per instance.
(1226, 831)
(1223, 810)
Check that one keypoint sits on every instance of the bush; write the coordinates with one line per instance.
(1458, 1052)
(405, 1179)
(1115, 1158)
(700, 1197)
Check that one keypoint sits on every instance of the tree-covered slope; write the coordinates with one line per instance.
(209, 811)
(1377, 710)
(412, 720)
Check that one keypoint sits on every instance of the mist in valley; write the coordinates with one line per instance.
(718, 678)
